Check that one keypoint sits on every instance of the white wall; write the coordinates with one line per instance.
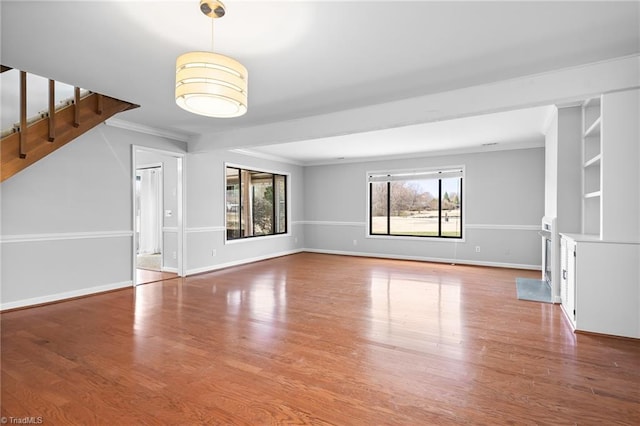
(569, 168)
(551, 168)
(67, 220)
(620, 170)
(206, 185)
(503, 199)
(563, 166)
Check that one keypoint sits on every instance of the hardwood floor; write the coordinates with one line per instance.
(145, 276)
(316, 339)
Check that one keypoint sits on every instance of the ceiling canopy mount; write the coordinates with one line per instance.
(212, 8)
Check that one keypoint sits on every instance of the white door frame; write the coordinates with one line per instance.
(180, 195)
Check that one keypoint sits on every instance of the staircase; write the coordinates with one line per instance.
(35, 138)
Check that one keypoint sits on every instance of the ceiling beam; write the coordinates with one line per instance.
(549, 88)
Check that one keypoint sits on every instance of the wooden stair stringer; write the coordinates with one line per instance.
(38, 145)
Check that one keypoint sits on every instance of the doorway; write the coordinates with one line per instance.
(148, 222)
(157, 215)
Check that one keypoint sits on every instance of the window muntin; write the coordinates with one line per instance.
(379, 207)
(417, 204)
(233, 203)
(280, 201)
(256, 203)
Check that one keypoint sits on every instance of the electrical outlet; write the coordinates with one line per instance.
(175, 255)
(295, 240)
(477, 249)
(213, 252)
(355, 242)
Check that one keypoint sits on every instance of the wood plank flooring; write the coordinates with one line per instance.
(146, 276)
(316, 339)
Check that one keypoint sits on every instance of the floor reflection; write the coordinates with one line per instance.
(415, 314)
(251, 310)
(265, 296)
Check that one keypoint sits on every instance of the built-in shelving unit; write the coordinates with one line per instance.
(599, 268)
(591, 170)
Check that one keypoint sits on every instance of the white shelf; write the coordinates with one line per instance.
(594, 129)
(594, 161)
(592, 166)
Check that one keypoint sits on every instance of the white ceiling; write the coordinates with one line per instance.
(523, 128)
(310, 58)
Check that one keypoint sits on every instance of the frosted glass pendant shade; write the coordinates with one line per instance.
(211, 84)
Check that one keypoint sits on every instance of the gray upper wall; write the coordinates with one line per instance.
(85, 186)
(206, 185)
(500, 187)
(67, 219)
(503, 203)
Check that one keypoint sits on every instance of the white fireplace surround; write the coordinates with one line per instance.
(550, 232)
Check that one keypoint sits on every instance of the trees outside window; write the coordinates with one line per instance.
(420, 204)
(256, 203)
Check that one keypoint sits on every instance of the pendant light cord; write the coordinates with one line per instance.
(212, 35)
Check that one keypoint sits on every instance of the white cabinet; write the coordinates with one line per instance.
(567, 278)
(600, 285)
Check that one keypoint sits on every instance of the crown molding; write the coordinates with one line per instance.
(477, 149)
(141, 128)
(266, 156)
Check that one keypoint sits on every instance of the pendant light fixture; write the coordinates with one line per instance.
(209, 83)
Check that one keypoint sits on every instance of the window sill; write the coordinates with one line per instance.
(257, 238)
(416, 238)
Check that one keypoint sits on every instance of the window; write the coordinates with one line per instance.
(416, 203)
(256, 203)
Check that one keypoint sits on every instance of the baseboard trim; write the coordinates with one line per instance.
(169, 269)
(31, 302)
(498, 227)
(600, 334)
(43, 300)
(210, 268)
(428, 259)
(331, 223)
